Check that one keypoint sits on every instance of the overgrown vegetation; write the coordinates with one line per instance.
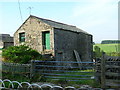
(97, 52)
(15, 77)
(20, 54)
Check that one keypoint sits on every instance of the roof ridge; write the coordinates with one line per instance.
(60, 25)
(53, 21)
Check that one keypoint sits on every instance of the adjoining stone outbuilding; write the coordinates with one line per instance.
(6, 40)
(54, 38)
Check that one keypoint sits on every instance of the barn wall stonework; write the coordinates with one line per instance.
(62, 42)
(33, 29)
(85, 46)
(66, 42)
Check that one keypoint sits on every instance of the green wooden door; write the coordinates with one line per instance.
(47, 40)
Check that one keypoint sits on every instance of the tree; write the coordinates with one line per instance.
(110, 41)
(20, 54)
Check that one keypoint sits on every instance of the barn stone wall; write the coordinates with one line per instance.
(33, 29)
(85, 46)
(66, 42)
(62, 42)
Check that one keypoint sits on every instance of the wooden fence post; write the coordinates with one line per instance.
(103, 71)
(32, 69)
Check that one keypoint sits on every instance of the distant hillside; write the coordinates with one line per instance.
(108, 48)
(110, 41)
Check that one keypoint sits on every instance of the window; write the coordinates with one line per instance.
(46, 40)
(22, 37)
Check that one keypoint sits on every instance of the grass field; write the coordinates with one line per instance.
(109, 47)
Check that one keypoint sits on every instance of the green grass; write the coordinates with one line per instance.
(77, 72)
(108, 48)
(64, 81)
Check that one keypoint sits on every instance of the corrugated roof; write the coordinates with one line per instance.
(61, 25)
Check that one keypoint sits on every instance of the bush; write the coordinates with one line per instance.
(20, 54)
(97, 52)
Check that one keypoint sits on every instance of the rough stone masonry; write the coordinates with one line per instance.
(54, 38)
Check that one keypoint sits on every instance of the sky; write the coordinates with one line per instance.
(97, 17)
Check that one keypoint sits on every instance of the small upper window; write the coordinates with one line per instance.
(22, 37)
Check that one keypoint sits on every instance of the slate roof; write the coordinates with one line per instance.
(61, 25)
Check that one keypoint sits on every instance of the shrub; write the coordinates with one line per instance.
(20, 54)
(97, 52)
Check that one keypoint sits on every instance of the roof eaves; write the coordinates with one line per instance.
(55, 24)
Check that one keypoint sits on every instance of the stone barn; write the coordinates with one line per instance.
(55, 39)
(6, 40)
